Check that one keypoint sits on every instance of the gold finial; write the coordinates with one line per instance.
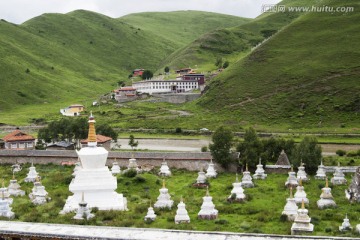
(92, 132)
(300, 182)
(207, 191)
(2, 195)
(181, 199)
(326, 183)
(302, 204)
(150, 203)
(13, 175)
(82, 197)
(237, 179)
(115, 160)
(292, 167)
(246, 169)
(291, 194)
(163, 182)
(259, 160)
(37, 179)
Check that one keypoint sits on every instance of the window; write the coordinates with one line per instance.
(13, 145)
(21, 145)
(30, 145)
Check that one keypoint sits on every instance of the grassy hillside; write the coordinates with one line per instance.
(57, 59)
(182, 27)
(306, 76)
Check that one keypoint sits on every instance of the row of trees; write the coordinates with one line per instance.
(252, 148)
(72, 130)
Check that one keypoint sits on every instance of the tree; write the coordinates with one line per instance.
(272, 148)
(220, 148)
(108, 131)
(219, 62)
(166, 69)
(121, 83)
(226, 64)
(132, 143)
(251, 149)
(309, 152)
(147, 74)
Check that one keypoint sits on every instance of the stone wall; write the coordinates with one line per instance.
(178, 97)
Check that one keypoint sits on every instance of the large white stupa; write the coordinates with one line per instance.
(94, 179)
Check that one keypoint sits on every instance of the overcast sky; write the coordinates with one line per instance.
(19, 11)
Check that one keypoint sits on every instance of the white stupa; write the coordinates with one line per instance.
(164, 199)
(301, 174)
(339, 177)
(290, 209)
(94, 179)
(326, 199)
(16, 167)
(14, 188)
(5, 209)
(291, 180)
(182, 215)
(237, 192)
(210, 171)
(246, 181)
(5, 193)
(302, 223)
(115, 169)
(300, 195)
(164, 169)
(133, 164)
(345, 226)
(32, 175)
(83, 211)
(358, 228)
(39, 195)
(150, 216)
(77, 167)
(201, 179)
(207, 210)
(321, 173)
(259, 172)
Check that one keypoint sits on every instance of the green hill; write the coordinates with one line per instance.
(57, 59)
(306, 76)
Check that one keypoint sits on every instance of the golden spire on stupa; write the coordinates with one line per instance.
(92, 132)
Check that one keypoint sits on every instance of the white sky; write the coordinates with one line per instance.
(19, 11)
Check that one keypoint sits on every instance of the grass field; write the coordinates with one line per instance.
(259, 214)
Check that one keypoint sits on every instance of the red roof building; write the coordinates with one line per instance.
(125, 94)
(101, 140)
(17, 140)
(138, 72)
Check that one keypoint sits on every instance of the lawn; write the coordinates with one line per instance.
(259, 214)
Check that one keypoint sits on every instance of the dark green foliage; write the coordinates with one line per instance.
(250, 149)
(268, 32)
(220, 148)
(309, 152)
(219, 62)
(139, 179)
(40, 145)
(283, 218)
(107, 130)
(221, 221)
(130, 173)
(178, 130)
(272, 148)
(132, 143)
(147, 74)
(340, 152)
(226, 64)
(167, 69)
(204, 149)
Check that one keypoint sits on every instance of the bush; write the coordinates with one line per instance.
(178, 130)
(283, 218)
(352, 154)
(340, 152)
(139, 179)
(328, 229)
(130, 173)
(221, 221)
(204, 149)
(141, 209)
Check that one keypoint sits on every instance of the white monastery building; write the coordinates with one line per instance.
(167, 86)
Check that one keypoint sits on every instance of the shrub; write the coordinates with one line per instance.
(340, 152)
(283, 218)
(178, 130)
(141, 209)
(328, 229)
(204, 149)
(139, 179)
(130, 173)
(352, 154)
(221, 221)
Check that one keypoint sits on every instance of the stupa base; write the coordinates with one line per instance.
(338, 181)
(302, 230)
(320, 177)
(260, 176)
(200, 185)
(208, 217)
(325, 203)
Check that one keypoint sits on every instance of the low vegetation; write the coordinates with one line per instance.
(261, 213)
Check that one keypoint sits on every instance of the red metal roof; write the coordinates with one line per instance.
(99, 139)
(17, 135)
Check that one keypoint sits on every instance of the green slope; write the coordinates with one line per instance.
(182, 27)
(306, 76)
(78, 56)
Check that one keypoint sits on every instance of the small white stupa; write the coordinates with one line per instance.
(39, 195)
(301, 174)
(300, 195)
(94, 179)
(321, 173)
(291, 180)
(133, 164)
(259, 172)
(182, 215)
(358, 228)
(201, 179)
(302, 223)
(5, 193)
(164, 199)
(345, 226)
(207, 210)
(5, 209)
(14, 188)
(210, 171)
(246, 181)
(77, 167)
(83, 211)
(115, 169)
(326, 199)
(290, 209)
(150, 216)
(339, 177)
(237, 193)
(16, 167)
(32, 175)
(164, 169)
